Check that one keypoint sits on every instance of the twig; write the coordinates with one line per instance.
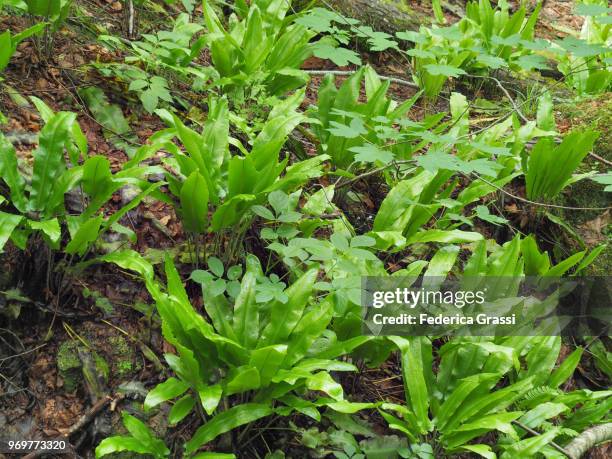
(542, 204)
(536, 434)
(82, 422)
(351, 72)
(599, 158)
(90, 415)
(372, 172)
(506, 93)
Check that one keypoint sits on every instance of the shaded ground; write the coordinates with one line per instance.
(106, 329)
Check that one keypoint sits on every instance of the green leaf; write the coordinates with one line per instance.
(97, 176)
(149, 99)
(549, 168)
(117, 444)
(483, 213)
(9, 172)
(8, 223)
(530, 446)
(168, 390)
(338, 55)
(226, 421)
(210, 396)
(215, 266)
(287, 315)
(51, 229)
(86, 233)
(109, 115)
(370, 153)
(413, 371)
(566, 369)
(545, 116)
(194, 203)
(49, 158)
(482, 450)
(444, 70)
(180, 409)
(211, 455)
(450, 237)
(6, 49)
(350, 131)
(584, 9)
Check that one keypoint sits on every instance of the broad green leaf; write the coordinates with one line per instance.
(449, 237)
(8, 223)
(181, 409)
(444, 70)
(168, 390)
(482, 450)
(85, 234)
(194, 203)
(530, 446)
(246, 314)
(564, 371)
(210, 396)
(413, 371)
(285, 316)
(118, 443)
(51, 229)
(9, 172)
(49, 158)
(322, 381)
(225, 422)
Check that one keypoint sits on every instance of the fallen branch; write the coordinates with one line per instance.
(535, 433)
(599, 158)
(589, 438)
(89, 416)
(351, 72)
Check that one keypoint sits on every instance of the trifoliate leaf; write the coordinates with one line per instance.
(370, 153)
(339, 56)
(446, 70)
(483, 213)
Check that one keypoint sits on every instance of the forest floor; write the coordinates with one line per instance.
(108, 311)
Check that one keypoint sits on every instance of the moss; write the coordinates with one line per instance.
(101, 366)
(69, 364)
(124, 358)
(596, 113)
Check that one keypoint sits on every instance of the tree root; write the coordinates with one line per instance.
(589, 438)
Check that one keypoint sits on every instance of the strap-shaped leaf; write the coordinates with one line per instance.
(246, 313)
(49, 158)
(413, 370)
(168, 390)
(85, 234)
(226, 421)
(10, 173)
(194, 203)
(285, 316)
(8, 222)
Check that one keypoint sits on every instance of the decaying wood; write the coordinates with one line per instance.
(385, 15)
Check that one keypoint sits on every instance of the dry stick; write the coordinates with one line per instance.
(506, 93)
(599, 158)
(88, 417)
(82, 422)
(536, 434)
(352, 72)
(534, 203)
(556, 206)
